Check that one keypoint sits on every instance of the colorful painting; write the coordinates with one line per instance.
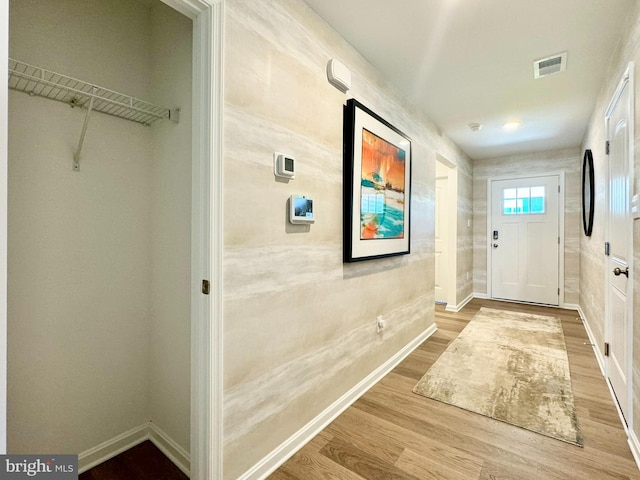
(377, 186)
(382, 188)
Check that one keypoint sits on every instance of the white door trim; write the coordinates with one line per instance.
(627, 78)
(561, 209)
(207, 239)
(4, 185)
(206, 236)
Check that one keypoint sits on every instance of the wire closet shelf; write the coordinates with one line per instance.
(77, 93)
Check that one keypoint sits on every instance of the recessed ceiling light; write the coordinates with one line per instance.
(512, 125)
(475, 126)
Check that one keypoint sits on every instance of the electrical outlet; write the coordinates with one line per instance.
(380, 324)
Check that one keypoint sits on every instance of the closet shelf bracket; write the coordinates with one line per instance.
(76, 154)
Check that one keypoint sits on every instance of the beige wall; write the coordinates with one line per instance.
(300, 324)
(464, 268)
(565, 160)
(592, 260)
(90, 357)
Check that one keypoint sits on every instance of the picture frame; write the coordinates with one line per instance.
(377, 186)
(588, 194)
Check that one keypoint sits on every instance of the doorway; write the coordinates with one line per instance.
(206, 239)
(619, 236)
(525, 240)
(446, 232)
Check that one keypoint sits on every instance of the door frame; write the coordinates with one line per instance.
(206, 236)
(561, 213)
(207, 226)
(627, 79)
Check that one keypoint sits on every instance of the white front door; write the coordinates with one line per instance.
(524, 239)
(442, 241)
(618, 327)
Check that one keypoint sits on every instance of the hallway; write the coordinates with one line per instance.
(391, 433)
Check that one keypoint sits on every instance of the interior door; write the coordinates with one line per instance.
(524, 239)
(441, 244)
(617, 263)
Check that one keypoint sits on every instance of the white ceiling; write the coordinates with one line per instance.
(464, 61)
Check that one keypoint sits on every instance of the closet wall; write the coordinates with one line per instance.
(99, 260)
(170, 388)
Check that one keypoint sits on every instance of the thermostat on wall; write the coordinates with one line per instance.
(301, 209)
(284, 165)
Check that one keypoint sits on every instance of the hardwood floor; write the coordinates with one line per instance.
(142, 462)
(391, 433)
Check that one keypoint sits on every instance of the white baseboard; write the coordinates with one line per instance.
(594, 345)
(571, 306)
(484, 296)
(632, 439)
(277, 457)
(109, 449)
(634, 444)
(174, 452)
(459, 306)
(129, 439)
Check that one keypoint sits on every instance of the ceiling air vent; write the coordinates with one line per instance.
(550, 65)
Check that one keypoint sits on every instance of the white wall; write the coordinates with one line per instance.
(170, 331)
(78, 241)
(90, 354)
(78, 278)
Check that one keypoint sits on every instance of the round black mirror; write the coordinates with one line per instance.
(588, 196)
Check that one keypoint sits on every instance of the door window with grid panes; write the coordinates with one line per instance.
(523, 201)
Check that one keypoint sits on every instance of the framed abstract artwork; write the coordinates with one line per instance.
(377, 186)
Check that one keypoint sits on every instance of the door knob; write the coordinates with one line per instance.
(495, 245)
(617, 272)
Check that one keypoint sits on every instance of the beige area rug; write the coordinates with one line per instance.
(512, 367)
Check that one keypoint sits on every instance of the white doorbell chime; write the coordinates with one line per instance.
(338, 75)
